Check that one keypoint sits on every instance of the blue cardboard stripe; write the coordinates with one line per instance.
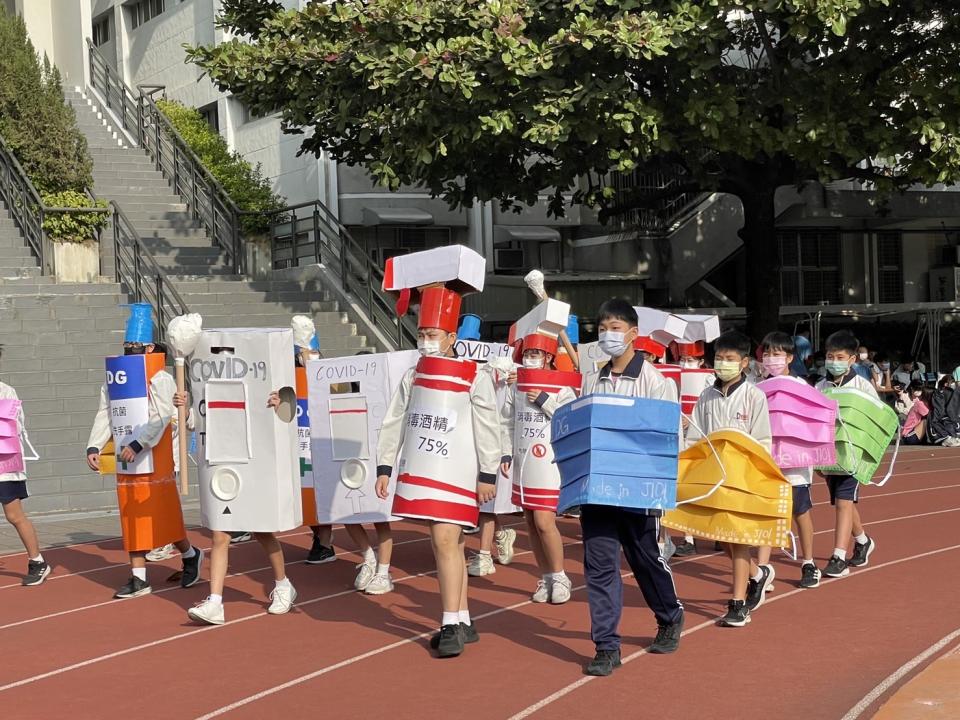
(603, 462)
(626, 441)
(610, 490)
(623, 414)
(126, 377)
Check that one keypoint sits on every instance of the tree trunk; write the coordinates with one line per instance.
(759, 235)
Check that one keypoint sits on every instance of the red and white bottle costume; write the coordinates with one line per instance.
(443, 432)
(526, 435)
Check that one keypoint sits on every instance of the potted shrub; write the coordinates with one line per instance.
(71, 240)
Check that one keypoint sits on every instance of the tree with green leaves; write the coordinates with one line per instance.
(37, 124)
(505, 99)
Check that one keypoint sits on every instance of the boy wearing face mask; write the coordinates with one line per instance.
(140, 494)
(841, 349)
(609, 530)
(732, 403)
(777, 361)
(444, 473)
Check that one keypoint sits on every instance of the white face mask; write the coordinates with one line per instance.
(428, 347)
(612, 343)
(864, 356)
(532, 363)
(689, 364)
(313, 355)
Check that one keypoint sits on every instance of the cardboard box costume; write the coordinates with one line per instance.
(865, 428)
(752, 504)
(527, 425)
(617, 451)
(136, 404)
(441, 431)
(348, 399)
(802, 422)
(248, 460)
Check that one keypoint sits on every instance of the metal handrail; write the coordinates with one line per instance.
(26, 205)
(659, 218)
(208, 202)
(349, 261)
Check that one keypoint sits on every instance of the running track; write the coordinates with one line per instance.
(71, 651)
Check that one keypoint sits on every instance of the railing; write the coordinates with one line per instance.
(658, 218)
(207, 200)
(27, 207)
(136, 269)
(311, 231)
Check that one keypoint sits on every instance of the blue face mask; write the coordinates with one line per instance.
(838, 368)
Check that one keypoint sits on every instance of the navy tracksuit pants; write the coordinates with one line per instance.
(605, 531)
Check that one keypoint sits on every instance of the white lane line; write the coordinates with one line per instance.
(897, 675)
(563, 692)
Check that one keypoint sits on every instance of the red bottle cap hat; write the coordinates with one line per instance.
(687, 349)
(646, 344)
(439, 308)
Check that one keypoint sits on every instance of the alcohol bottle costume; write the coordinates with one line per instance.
(136, 409)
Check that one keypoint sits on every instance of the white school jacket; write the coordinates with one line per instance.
(742, 407)
(850, 381)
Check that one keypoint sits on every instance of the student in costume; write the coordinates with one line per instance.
(13, 490)
(150, 512)
(734, 403)
(689, 356)
(444, 472)
(777, 361)
(609, 530)
(283, 595)
(841, 354)
(538, 489)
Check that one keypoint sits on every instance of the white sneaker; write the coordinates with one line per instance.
(504, 541)
(480, 565)
(282, 599)
(365, 575)
(207, 612)
(379, 585)
(560, 590)
(162, 553)
(542, 594)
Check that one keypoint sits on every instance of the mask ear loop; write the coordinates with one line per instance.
(893, 461)
(792, 554)
(25, 443)
(723, 470)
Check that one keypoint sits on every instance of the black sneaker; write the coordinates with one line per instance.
(836, 568)
(191, 569)
(757, 589)
(603, 663)
(450, 641)
(686, 549)
(320, 554)
(668, 638)
(810, 576)
(37, 571)
(239, 536)
(738, 614)
(862, 553)
(470, 635)
(135, 587)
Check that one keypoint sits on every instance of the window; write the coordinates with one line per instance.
(210, 114)
(145, 10)
(810, 267)
(101, 30)
(890, 267)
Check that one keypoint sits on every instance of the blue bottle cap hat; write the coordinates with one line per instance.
(469, 327)
(139, 324)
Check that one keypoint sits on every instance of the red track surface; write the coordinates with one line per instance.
(71, 651)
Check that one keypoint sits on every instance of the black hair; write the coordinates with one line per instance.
(944, 381)
(777, 340)
(843, 340)
(915, 385)
(732, 340)
(617, 309)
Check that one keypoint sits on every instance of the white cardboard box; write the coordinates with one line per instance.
(701, 327)
(662, 327)
(457, 265)
(348, 399)
(247, 453)
(546, 318)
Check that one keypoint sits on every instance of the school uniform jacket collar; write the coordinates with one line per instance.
(851, 374)
(718, 386)
(631, 371)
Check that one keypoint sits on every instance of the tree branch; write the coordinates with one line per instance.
(760, 20)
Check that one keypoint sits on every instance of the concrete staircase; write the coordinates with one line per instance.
(55, 336)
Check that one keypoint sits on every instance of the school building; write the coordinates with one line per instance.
(836, 248)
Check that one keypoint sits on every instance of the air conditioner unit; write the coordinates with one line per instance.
(508, 259)
(950, 255)
(944, 284)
